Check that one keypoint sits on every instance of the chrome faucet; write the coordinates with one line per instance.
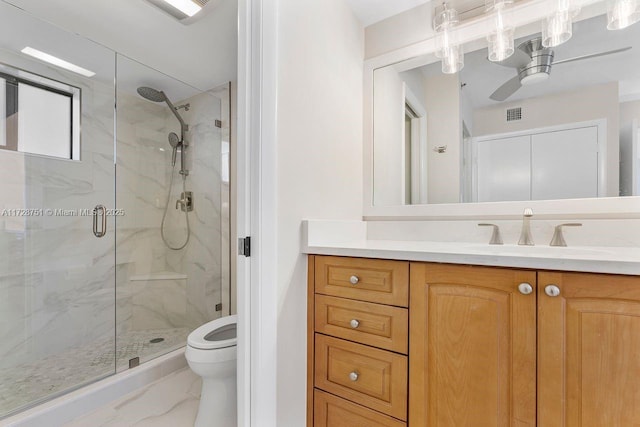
(496, 238)
(558, 238)
(525, 234)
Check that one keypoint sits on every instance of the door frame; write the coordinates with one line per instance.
(257, 212)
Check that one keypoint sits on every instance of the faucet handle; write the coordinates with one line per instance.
(496, 238)
(558, 237)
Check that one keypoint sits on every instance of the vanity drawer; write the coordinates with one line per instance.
(367, 323)
(331, 411)
(373, 280)
(371, 377)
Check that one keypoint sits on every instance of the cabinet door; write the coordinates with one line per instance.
(472, 337)
(589, 350)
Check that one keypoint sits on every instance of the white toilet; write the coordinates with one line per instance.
(211, 353)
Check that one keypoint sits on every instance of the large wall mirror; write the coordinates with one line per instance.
(568, 129)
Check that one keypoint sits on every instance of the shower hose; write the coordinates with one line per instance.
(166, 207)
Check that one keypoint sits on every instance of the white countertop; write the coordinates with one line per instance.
(614, 260)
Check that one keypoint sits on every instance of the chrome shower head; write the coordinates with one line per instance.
(152, 94)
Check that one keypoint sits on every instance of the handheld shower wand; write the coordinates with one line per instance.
(174, 141)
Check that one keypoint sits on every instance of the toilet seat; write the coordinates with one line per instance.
(219, 333)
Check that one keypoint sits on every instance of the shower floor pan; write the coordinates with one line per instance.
(22, 386)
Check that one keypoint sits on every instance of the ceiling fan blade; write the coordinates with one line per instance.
(518, 60)
(593, 55)
(507, 89)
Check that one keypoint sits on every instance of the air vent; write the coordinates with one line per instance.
(514, 114)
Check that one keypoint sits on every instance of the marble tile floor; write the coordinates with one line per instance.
(169, 402)
(28, 383)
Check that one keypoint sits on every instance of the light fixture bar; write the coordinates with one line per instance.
(57, 61)
(187, 7)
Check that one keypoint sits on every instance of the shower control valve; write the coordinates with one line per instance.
(185, 202)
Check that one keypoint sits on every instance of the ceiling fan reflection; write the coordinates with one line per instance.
(533, 63)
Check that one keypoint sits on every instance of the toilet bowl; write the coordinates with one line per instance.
(211, 354)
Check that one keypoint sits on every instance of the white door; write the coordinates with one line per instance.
(564, 164)
(503, 169)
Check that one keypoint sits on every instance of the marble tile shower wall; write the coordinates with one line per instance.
(56, 278)
(163, 300)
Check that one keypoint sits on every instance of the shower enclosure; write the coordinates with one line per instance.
(109, 256)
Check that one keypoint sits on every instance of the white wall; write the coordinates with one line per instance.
(629, 111)
(319, 162)
(590, 103)
(443, 128)
(398, 31)
(388, 153)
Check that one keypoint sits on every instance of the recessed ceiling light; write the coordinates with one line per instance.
(188, 7)
(186, 11)
(57, 61)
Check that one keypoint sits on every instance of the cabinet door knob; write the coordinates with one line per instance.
(353, 376)
(354, 280)
(525, 288)
(354, 323)
(552, 290)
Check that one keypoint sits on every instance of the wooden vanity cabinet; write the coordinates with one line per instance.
(487, 346)
(358, 342)
(484, 354)
(472, 346)
(588, 350)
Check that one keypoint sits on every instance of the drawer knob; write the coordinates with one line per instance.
(353, 376)
(552, 290)
(525, 288)
(354, 323)
(354, 280)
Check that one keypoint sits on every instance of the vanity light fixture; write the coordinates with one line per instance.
(451, 53)
(500, 38)
(557, 28)
(622, 13)
(54, 60)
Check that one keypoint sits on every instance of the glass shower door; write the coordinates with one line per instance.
(173, 244)
(57, 276)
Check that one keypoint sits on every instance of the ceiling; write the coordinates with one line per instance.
(202, 54)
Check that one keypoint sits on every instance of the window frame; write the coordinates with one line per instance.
(13, 77)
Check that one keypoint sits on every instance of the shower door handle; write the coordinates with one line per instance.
(103, 230)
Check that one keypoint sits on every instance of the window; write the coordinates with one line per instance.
(38, 115)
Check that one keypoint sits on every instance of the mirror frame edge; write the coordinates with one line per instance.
(525, 13)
